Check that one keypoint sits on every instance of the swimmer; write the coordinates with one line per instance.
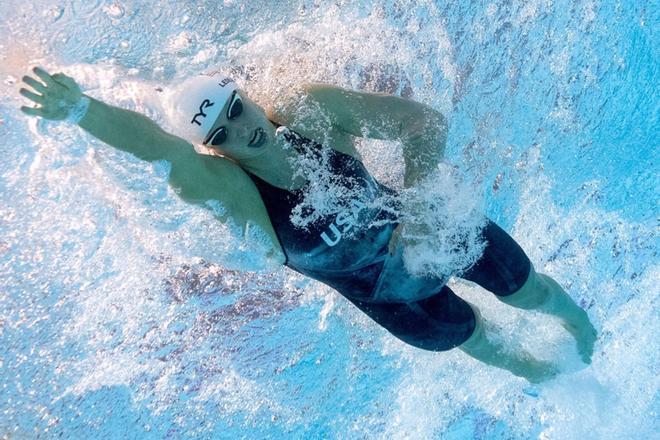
(251, 172)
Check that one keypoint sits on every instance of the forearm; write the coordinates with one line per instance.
(125, 130)
(423, 148)
(420, 128)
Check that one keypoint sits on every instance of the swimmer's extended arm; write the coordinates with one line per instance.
(130, 131)
(196, 179)
(421, 129)
(123, 129)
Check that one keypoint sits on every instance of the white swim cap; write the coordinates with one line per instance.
(197, 105)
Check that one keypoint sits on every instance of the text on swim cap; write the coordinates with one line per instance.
(205, 104)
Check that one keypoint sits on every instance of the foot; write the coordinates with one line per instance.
(486, 345)
(574, 319)
(584, 333)
(536, 371)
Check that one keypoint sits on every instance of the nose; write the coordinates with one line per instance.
(241, 131)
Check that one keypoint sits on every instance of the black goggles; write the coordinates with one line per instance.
(219, 134)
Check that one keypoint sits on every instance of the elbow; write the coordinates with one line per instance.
(435, 128)
(435, 121)
(427, 121)
(427, 132)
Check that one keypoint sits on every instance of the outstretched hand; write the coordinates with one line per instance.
(56, 95)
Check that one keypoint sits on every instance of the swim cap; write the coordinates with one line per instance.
(198, 103)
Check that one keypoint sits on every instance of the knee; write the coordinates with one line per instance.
(438, 323)
(530, 295)
(476, 335)
(439, 344)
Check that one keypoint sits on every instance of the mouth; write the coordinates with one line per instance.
(258, 138)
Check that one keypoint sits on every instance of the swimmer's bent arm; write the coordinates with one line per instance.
(421, 129)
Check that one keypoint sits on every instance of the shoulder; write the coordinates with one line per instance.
(198, 177)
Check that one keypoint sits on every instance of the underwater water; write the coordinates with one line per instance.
(123, 314)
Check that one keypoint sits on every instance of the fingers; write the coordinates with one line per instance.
(52, 94)
(32, 111)
(36, 85)
(32, 96)
(44, 76)
(66, 81)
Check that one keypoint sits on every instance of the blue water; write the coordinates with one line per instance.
(119, 317)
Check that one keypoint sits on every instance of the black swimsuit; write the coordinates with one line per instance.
(348, 251)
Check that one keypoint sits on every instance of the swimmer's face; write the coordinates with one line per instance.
(242, 130)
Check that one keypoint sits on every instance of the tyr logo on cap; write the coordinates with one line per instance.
(205, 104)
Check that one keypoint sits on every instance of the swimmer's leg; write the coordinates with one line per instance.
(485, 345)
(445, 321)
(543, 294)
(505, 270)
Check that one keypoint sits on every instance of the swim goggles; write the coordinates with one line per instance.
(219, 134)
